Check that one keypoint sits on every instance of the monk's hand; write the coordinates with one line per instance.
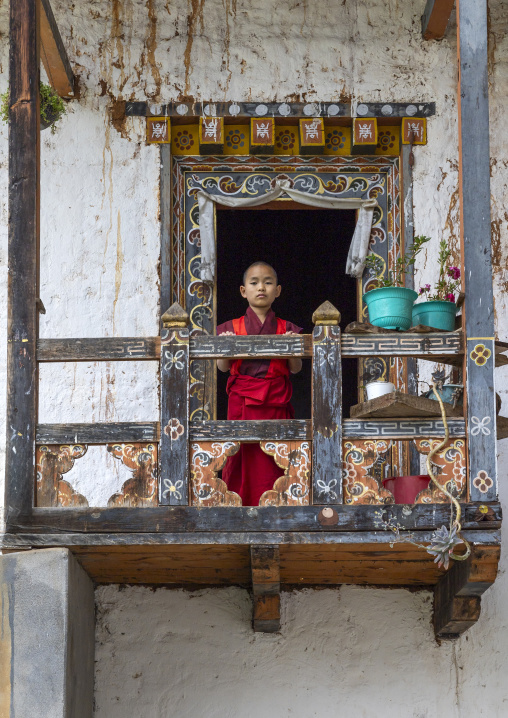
(227, 334)
(292, 333)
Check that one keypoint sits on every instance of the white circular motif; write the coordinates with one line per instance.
(387, 110)
(411, 110)
(310, 109)
(333, 110)
(182, 109)
(155, 110)
(234, 109)
(284, 109)
(210, 110)
(362, 110)
(261, 110)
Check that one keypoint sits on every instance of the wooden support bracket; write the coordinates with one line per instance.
(53, 54)
(435, 18)
(457, 596)
(265, 568)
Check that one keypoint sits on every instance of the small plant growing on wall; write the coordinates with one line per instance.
(394, 277)
(52, 107)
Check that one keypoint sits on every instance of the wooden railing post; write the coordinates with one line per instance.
(326, 406)
(174, 439)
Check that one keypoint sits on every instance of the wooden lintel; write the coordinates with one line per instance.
(53, 54)
(265, 570)
(435, 18)
(457, 595)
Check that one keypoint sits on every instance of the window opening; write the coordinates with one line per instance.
(308, 249)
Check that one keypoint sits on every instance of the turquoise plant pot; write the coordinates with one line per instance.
(436, 314)
(390, 307)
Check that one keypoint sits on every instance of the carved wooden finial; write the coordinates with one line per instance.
(326, 314)
(175, 316)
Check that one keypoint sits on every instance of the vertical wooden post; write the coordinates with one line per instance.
(474, 178)
(407, 214)
(22, 324)
(174, 439)
(326, 406)
(166, 297)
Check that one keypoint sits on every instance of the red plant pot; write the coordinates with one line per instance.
(405, 489)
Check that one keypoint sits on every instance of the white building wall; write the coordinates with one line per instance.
(352, 651)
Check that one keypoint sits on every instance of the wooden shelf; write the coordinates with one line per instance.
(400, 405)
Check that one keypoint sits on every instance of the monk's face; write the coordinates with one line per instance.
(261, 288)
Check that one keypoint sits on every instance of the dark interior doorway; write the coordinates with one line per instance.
(308, 249)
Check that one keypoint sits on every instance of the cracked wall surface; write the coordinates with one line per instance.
(100, 277)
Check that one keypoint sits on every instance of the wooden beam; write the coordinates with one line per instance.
(435, 346)
(107, 433)
(435, 18)
(53, 54)
(457, 595)
(23, 258)
(286, 430)
(271, 519)
(265, 570)
(474, 192)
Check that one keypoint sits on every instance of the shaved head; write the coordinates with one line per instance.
(259, 264)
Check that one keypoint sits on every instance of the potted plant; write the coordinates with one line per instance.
(439, 309)
(389, 302)
(52, 107)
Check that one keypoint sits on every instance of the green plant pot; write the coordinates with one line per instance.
(390, 307)
(436, 314)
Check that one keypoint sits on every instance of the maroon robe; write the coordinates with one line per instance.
(253, 395)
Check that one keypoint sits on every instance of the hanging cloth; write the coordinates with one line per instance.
(358, 248)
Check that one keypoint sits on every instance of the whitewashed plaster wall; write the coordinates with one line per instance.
(351, 651)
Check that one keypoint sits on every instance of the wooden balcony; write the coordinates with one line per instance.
(327, 533)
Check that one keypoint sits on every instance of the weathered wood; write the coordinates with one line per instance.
(401, 428)
(474, 186)
(166, 228)
(101, 349)
(400, 405)
(279, 519)
(53, 54)
(443, 347)
(457, 594)
(23, 254)
(406, 180)
(301, 429)
(243, 347)
(265, 572)
(296, 109)
(119, 432)
(502, 427)
(174, 406)
(326, 416)
(275, 430)
(435, 18)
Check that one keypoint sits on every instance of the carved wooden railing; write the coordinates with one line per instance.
(323, 460)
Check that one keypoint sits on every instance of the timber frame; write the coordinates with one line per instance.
(326, 542)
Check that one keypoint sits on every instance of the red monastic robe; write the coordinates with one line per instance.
(257, 389)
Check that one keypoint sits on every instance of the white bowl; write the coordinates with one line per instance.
(379, 388)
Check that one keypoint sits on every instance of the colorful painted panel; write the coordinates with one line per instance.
(414, 131)
(365, 465)
(158, 130)
(252, 176)
(142, 489)
(337, 141)
(184, 140)
(293, 488)
(365, 131)
(52, 461)
(286, 140)
(206, 459)
(388, 141)
(236, 140)
(449, 468)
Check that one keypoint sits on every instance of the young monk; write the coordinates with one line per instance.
(257, 388)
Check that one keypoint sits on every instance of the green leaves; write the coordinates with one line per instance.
(395, 277)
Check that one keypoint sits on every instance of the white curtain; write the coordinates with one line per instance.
(359, 244)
